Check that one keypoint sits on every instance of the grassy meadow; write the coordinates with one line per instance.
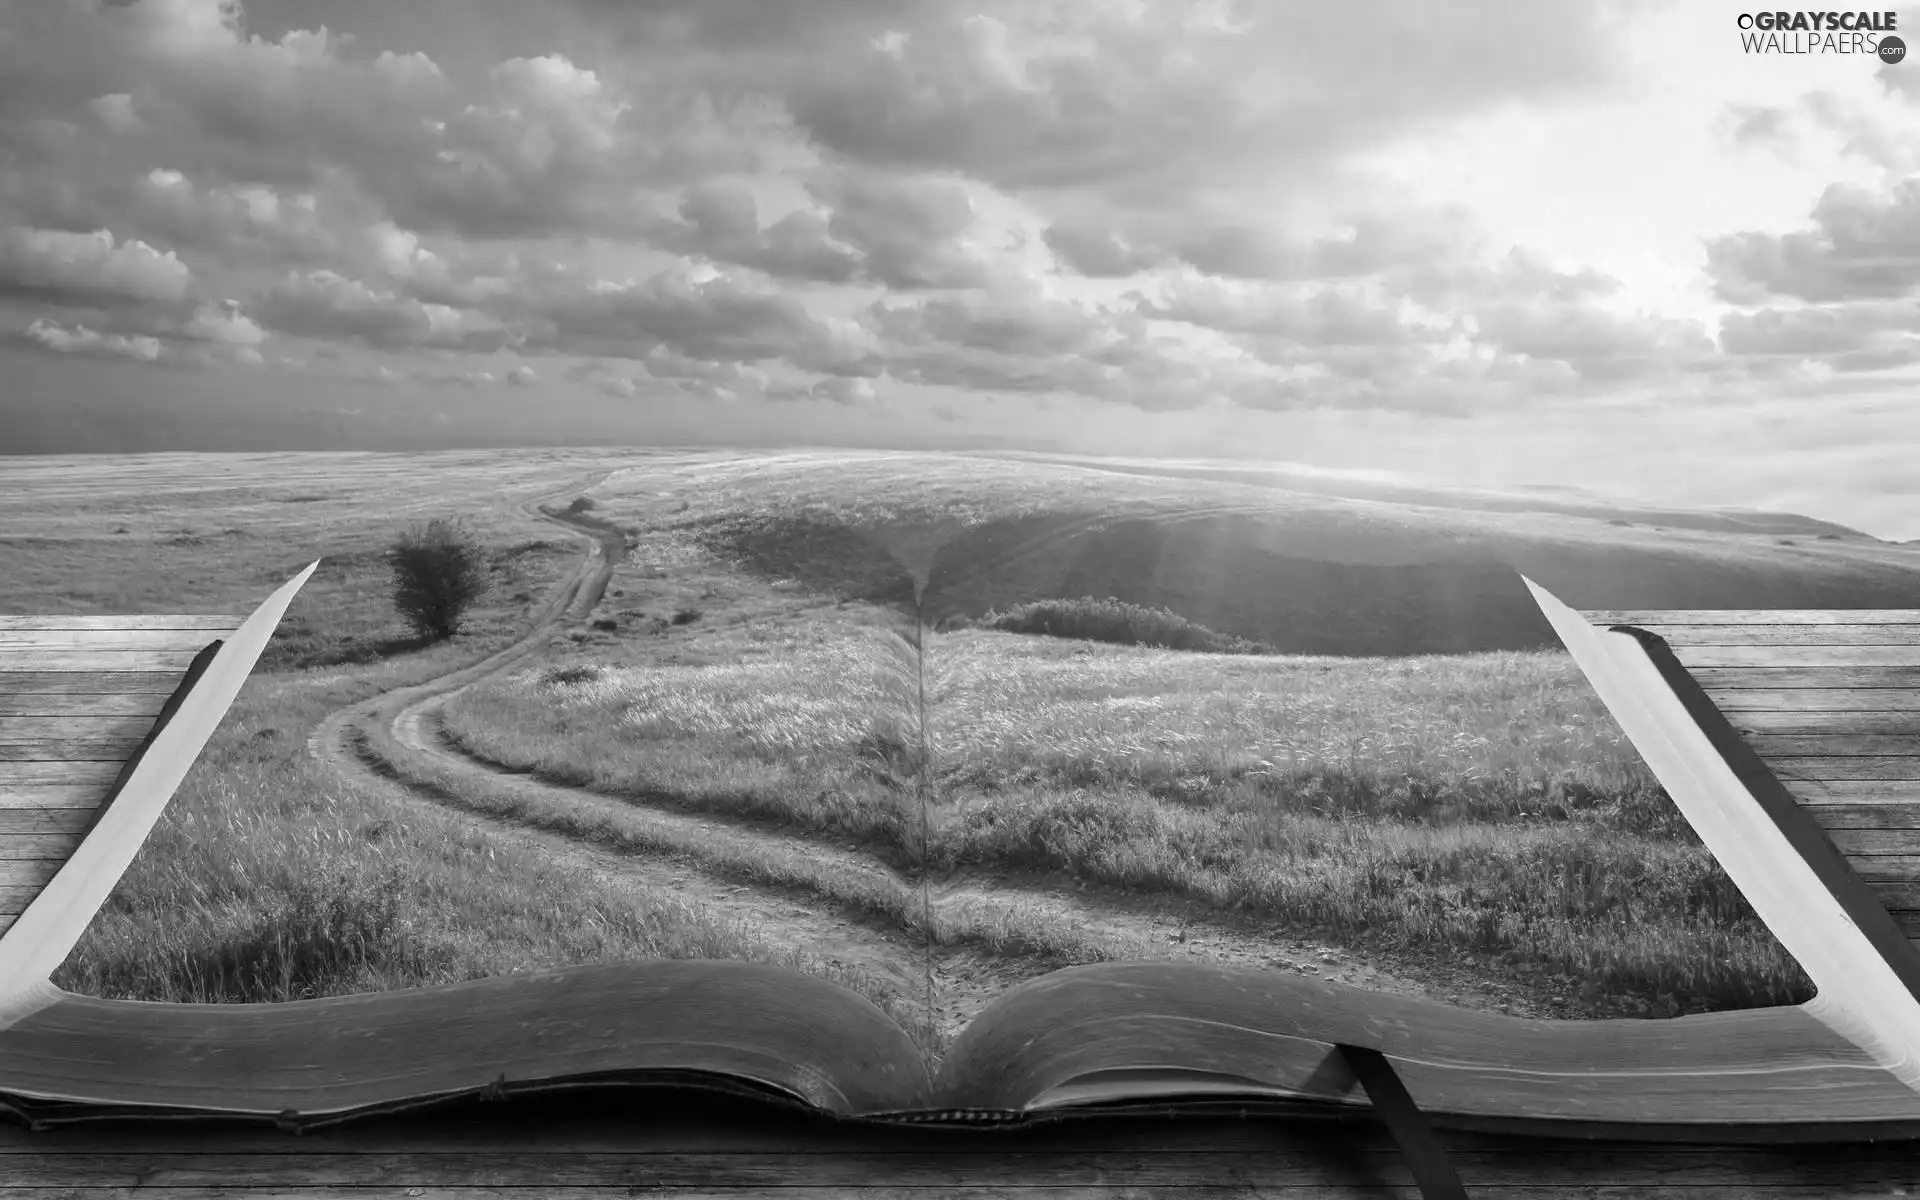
(270, 877)
(837, 710)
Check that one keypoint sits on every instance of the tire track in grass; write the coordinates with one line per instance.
(996, 911)
(843, 906)
(386, 737)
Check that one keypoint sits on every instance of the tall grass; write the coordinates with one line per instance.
(813, 735)
(1483, 805)
(270, 879)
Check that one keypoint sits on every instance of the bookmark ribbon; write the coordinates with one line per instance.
(1411, 1130)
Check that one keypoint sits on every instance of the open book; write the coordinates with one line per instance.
(1082, 1039)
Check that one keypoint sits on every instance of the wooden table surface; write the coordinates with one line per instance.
(1830, 700)
(607, 1144)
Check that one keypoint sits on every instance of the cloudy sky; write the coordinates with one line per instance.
(1540, 241)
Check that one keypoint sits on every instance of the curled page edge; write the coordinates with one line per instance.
(40, 940)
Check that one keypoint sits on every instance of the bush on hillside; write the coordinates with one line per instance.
(439, 570)
(1119, 622)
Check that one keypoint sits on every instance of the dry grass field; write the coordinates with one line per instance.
(749, 747)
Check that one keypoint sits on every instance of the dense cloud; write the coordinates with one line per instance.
(1597, 345)
(323, 304)
(1157, 205)
(721, 221)
(1058, 95)
(1862, 245)
(909, 230)
(89, 269)
(716, 318)
(1230, 250)
(1328, 316)
(230, 218)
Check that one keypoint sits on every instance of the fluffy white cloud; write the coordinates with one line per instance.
(223, 321)
(721, 221)
(1863, 244)
(80, 339)
(88, 268)
(1057, 95)
(720, 318)
(243, 217)
(841, 390)
(324, 304)
(1324, 315)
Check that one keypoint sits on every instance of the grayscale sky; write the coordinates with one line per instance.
(1555, 242)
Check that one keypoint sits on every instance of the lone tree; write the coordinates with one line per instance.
(439, 569)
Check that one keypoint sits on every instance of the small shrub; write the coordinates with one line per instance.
(439, 570)
(580, 504)
(578, 673)
(1120, 622)
(686, 616)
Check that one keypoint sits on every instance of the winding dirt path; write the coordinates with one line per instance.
(396, 739)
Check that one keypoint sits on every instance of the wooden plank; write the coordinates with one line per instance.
(1649, 618)
(23, 879)
(1875, 841)
(691, 1149)
(1306, 1162)
(52, 796)
(1903, 814)
(1821, 745)
(1817, 700)
(24, 686)
(1682, 637)
(33, 774)
(1856, 766)
(1887, 868)
(107, 704)
(1810, 723)
(68, 661)
(84, 727)
(15, 821)
(1814, 792)
(33, 846)
(1723, 678)
(1902, 895)
(214, 625)
(27, 872)
(68, 751)
(27, 642)
(1767, 655)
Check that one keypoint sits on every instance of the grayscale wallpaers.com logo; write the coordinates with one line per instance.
(1823, 33)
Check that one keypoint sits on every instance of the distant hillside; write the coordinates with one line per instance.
(1529, 500)
(1306, 565)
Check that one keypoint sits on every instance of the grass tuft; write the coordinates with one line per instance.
(1120, 623)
